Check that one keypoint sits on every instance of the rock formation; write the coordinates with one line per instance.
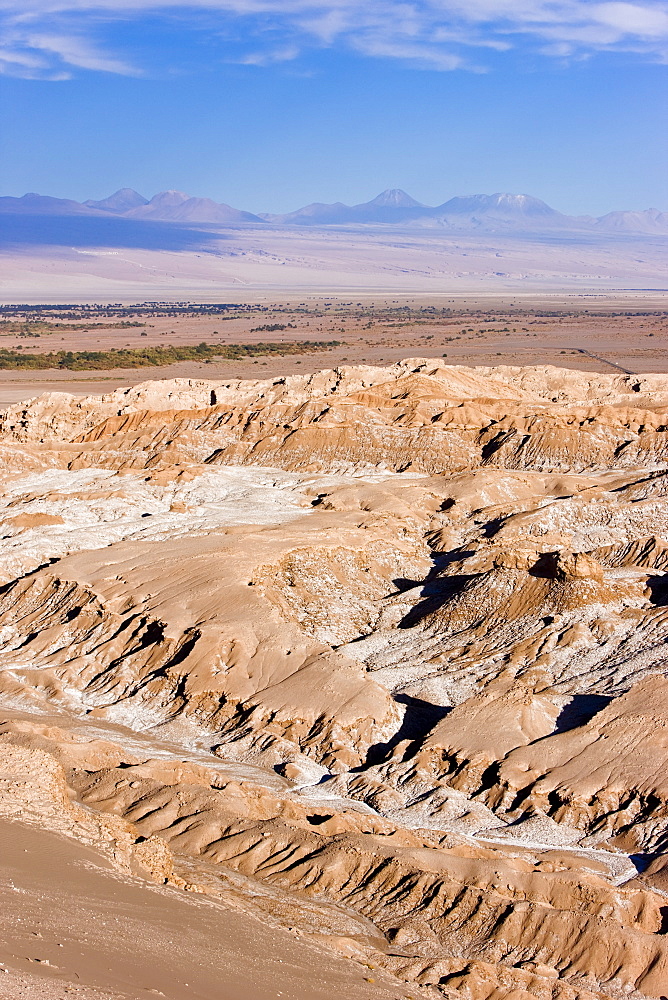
(387, 644)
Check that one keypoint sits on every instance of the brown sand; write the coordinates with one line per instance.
(636, 342)
(70, 925)
(372, 660)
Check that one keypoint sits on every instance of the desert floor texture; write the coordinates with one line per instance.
(344, 683)
(69, 259)
(595, 332)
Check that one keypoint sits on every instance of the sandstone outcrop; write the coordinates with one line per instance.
(380, 651)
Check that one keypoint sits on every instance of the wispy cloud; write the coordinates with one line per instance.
(416, 53)
(32, 49)
(265, 58)
(79, 53)
(54, 38)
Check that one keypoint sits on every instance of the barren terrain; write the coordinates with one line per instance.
(585, 332)
(73, 258)
(347, 684)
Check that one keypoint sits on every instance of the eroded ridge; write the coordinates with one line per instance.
(379, 652)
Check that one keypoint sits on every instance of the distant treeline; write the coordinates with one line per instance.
(144, 357)
(35, 328)
(118, 309)
(272, 327)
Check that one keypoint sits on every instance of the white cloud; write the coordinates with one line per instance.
(27, 66)
(423, 56)
(435, 34)
(286, 54)
(25, 59)
(633, 19)
(79, 53)
(32, 51)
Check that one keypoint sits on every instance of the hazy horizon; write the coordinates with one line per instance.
(266, 211)
(270, 106)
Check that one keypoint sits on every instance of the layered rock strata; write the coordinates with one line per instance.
(384, 647)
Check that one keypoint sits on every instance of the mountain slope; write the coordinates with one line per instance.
(391, 206)
(493, 213)
(392, 198)
(499, 205)
(478, 212)
(121, 201)
(317, 213)
(39, 204)
(175, 206)
(649, 221)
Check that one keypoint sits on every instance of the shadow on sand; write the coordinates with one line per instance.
(19, 231)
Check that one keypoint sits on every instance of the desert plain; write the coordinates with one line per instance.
(338, 671)
(591, 331)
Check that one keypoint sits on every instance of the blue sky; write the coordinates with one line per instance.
(269, 105)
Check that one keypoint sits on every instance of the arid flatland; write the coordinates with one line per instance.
(627, 331)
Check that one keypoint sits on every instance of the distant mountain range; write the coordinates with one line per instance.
(166, 206)
(481, 212)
